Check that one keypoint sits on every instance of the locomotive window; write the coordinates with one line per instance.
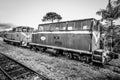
(70, 28)
(85, 27)
(24, 29)
(46, 27)
(78, 25)
(14, 29)
(63, 26)
(40, 28)
(30, 29)
(19, 30)
(57, 28)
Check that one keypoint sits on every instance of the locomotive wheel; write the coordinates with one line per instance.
(88, 59)
(68, 55)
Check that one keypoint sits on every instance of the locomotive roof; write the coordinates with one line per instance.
(69, 21)
(23, 27)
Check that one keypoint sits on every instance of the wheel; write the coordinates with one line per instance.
(88, 59)
(68, 55)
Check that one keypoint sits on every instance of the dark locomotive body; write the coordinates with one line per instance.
(80, 35)
(77, 39)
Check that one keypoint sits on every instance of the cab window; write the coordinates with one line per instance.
(24, 30)
(14, 29)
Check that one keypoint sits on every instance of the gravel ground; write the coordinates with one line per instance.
(60, 68)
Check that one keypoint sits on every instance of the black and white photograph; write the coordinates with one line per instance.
(59, 39)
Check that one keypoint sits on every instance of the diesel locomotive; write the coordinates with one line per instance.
(19, 36)
(76, 39)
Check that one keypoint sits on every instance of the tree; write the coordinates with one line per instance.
(110, 14)
(51, 16)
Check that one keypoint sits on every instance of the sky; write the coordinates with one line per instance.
(30, 12)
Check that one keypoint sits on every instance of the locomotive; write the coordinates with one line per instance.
(19, 36)
(76, 39)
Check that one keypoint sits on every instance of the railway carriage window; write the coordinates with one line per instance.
(70, 28)
(78, 25)
(14, 29)
(86, 25)
(41, 28)
(63, 26)
(19, 30)
(52, 27)
(24, 30)
(30, 29)
(46, 27)
(57, 26)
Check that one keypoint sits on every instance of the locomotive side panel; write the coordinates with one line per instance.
(58, 39)
(79, 41)
(64, 39)
(16, 36)
(41, 38)
(9, 35)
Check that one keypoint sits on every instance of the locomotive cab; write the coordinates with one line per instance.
(99, 55)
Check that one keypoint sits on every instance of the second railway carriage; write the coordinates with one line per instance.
(20, 35)
(75, 39)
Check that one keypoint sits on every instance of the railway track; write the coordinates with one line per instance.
(13, 70)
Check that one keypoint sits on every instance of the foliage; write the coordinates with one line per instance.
(51, 16)
(111, 13)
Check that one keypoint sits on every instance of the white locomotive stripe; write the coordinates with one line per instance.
(66, 32)
(96, 36)
(63, 48)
